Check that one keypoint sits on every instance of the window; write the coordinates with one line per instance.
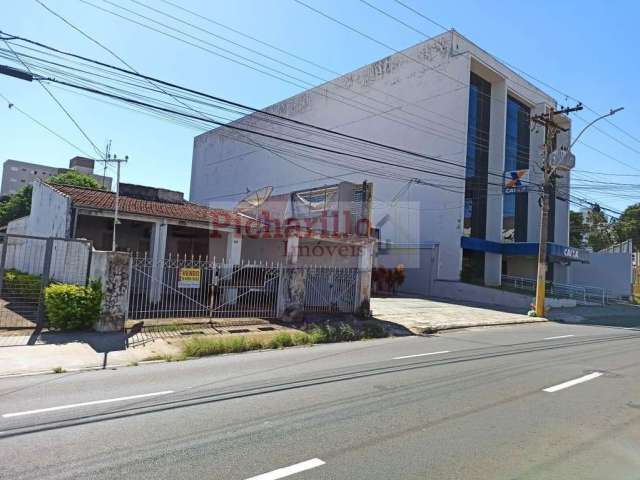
(516, 157)
(475, 221)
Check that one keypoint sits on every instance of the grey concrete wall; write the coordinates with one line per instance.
(467, 292)
(611, 271)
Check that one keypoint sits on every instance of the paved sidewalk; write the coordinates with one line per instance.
(421, 315)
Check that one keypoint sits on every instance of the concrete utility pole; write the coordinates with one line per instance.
(118, 161)
(551, 129)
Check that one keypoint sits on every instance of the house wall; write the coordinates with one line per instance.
(426, 104)
(50, 212)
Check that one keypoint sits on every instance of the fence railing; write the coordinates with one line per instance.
(180, 287)
(581, 294)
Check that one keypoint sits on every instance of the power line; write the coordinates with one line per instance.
(57, 102)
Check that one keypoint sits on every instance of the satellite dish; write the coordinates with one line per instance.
(252, 200)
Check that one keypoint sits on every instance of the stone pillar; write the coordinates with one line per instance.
(497, 132)
(113, 270)
(233, 256)
(292, 282)
(158, 253)
(365, 264)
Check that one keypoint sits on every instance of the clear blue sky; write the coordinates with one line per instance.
(583, 47)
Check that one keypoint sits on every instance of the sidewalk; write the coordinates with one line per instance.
(421, 315)
(31, 352)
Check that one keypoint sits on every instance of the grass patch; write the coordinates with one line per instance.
(316, 333)
(58, 370)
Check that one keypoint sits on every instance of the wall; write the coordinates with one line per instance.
(420, 267)
(466, 292)
(50, 212)
(427, 113)
(611, 271)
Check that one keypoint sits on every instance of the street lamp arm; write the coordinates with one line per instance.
(611, 112)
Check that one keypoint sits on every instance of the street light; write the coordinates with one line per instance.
(612, 112)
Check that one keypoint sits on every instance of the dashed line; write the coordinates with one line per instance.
(559, 336)
(420, 355)
(85, 404)
(573, 382)
(290, 470)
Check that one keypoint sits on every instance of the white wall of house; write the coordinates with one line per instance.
(419, 105)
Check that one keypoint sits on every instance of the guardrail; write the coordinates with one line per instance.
(581, 294)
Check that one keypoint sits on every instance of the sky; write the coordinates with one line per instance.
(583, 48)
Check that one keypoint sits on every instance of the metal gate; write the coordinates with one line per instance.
(331, 289)
(188, 288)
(28, 264)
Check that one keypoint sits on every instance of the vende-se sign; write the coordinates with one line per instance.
(189, 277)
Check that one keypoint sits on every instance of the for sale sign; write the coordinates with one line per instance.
(189, 277)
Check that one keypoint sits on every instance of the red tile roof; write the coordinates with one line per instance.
(104, 200)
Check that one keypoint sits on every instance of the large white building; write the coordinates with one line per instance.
(446, 99)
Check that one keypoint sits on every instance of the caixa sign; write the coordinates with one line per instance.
(571, 253)
(562, 252)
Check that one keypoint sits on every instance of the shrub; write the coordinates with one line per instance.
(281, 340)
(373, 330)
(22, 284)
(71, 307)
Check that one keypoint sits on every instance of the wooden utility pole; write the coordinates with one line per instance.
(551, 129)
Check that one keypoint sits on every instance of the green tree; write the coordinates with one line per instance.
(72, 177)
(600, 232)
(628, 225)
(576, 229)
(19, 204)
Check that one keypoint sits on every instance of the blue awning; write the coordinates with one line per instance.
(555, 252)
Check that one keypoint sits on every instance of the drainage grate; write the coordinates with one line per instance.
(238, 330)
(192, 332)
(265, 329)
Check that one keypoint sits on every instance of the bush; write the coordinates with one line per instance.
(22, 284)
(71, 307)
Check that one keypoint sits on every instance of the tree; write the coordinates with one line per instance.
(628, 225)
(19, 204)
(576, 229)
(78, 179)
(600, 231)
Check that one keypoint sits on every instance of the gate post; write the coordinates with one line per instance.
(113, 271)
(3, 260)
(46, 270)
(363, 283)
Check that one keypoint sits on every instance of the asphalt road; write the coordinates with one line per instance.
(531, 401)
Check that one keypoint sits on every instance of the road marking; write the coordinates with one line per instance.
(559, 336)
(573, 382)
(84, 404)
(290, 470)
(420, 355)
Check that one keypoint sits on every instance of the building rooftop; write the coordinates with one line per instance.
(105, 200)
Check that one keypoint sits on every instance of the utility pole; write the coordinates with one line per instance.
(107, 154)
(551, 129)
(118, 161)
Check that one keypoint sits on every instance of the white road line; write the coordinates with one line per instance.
(573, 382)
(84, 404)
(290, 470)
(559, 336)
(420, 355)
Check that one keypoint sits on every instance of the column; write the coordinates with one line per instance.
(497, 132)
(292, 282)
(158, 253)
(365, 264)
(233, 258)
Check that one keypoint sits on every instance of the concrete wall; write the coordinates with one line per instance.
(426, 113)
(50, 212)
(611, 271)
(112, 269)
(420, 267)
(467, 292)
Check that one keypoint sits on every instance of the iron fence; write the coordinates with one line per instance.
(180, 289)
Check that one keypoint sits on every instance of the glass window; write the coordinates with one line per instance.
(516, 157)
(477, 162)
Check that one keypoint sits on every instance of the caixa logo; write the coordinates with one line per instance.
(571, 253)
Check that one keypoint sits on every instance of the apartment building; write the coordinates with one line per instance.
(17, 174)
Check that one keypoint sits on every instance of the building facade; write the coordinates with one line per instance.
(17, 174)
(473, 189)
